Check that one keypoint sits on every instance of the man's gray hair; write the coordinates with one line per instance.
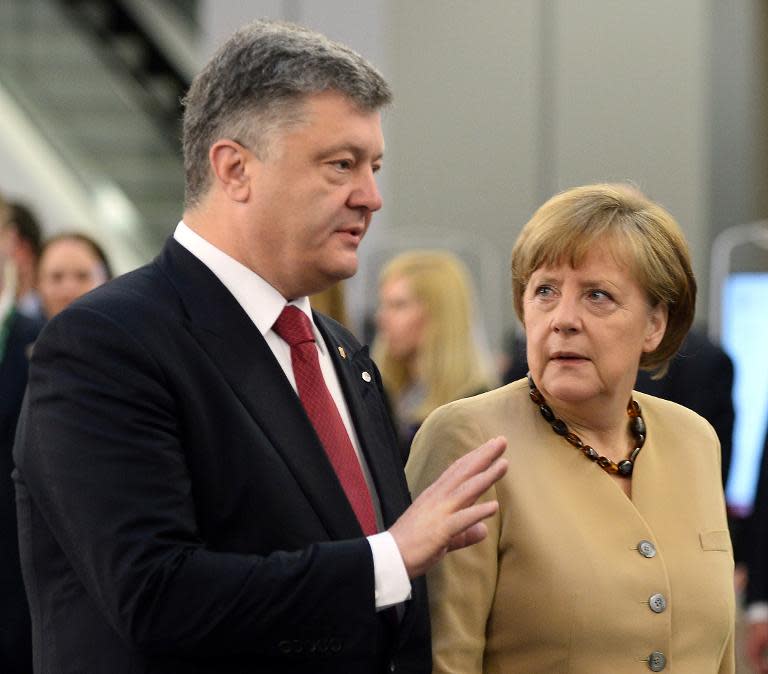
(255, 84)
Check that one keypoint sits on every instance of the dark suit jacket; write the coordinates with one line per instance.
(176, 510)
(700, 377)
(756, 537)
(15, 643)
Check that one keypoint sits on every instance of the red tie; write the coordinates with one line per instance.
(294, 327)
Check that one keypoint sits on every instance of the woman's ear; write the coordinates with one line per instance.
(657, 326)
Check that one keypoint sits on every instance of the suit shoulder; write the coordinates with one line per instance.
(137, 294)
(24, 329)
(474, 419)
(337, 331)
(508, 399)
(673, 417)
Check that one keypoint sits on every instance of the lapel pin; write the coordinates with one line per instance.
(342, 353)
(366, 377)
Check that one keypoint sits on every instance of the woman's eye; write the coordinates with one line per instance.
(543, 291)
(599, 295)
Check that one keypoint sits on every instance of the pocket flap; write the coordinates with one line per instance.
(715, 540)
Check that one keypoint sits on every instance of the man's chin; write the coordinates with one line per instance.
(331, 278)
(344, 270)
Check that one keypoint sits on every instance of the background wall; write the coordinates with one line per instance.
(500, 103)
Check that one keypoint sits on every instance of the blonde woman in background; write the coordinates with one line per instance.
(426, 340)
(332, 303)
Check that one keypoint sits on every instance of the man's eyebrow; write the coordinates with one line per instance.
(352, 148)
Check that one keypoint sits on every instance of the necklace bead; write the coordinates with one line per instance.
(637, 427)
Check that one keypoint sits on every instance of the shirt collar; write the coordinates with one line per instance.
(261, 301)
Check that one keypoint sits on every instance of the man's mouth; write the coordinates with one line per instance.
(354, 234)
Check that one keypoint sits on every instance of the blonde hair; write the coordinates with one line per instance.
(636, 229)
(451, 363)
(331, 302)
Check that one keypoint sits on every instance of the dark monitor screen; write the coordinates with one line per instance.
(745, 338)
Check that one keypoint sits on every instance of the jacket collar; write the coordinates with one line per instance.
(233, 342)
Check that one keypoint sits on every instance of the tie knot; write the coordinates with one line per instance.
(294, 326)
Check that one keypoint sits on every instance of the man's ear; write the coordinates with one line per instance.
(230, 163)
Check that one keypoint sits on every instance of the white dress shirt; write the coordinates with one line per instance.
(263, 304)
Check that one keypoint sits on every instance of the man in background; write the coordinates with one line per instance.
(23, 243)
(208, 479)
(17, 333)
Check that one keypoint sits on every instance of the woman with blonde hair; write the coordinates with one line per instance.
(426, 343)
(609, 551)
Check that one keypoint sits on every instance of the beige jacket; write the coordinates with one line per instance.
(560, 585)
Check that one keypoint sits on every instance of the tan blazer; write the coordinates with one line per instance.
(561, 584)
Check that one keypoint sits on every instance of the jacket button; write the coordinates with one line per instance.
(646, 549)
(657, 661)
(658, 603)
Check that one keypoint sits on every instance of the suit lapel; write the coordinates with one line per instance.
(235, 345)
(359, 380)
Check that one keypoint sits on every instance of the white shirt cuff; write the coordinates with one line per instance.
(391, 583)
(757, 612)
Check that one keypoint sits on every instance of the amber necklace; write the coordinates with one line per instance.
(636, 426)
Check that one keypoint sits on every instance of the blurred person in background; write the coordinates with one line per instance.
(71, 264)
(755, 544)
(17, 333)
(332, 302)
(610, 550)
(23, 241)
(426, 342)
(700, 377)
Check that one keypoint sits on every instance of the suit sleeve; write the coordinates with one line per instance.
(462, 586)
(100, 453)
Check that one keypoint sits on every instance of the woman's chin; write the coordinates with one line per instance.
(569, 390)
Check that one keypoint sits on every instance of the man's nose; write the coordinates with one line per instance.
(366, 192)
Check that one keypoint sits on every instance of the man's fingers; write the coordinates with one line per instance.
(475, 534)
(465, 519)
(445, 516)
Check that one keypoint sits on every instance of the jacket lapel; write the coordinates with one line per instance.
(360, 383)
(236, 346)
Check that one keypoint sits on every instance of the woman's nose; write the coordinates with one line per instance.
(566, 316)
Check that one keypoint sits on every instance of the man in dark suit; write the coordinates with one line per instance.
(180, 507)
(17, 333)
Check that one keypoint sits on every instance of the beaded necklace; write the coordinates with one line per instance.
(636, 426)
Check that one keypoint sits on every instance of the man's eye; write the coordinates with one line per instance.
(343, 164)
